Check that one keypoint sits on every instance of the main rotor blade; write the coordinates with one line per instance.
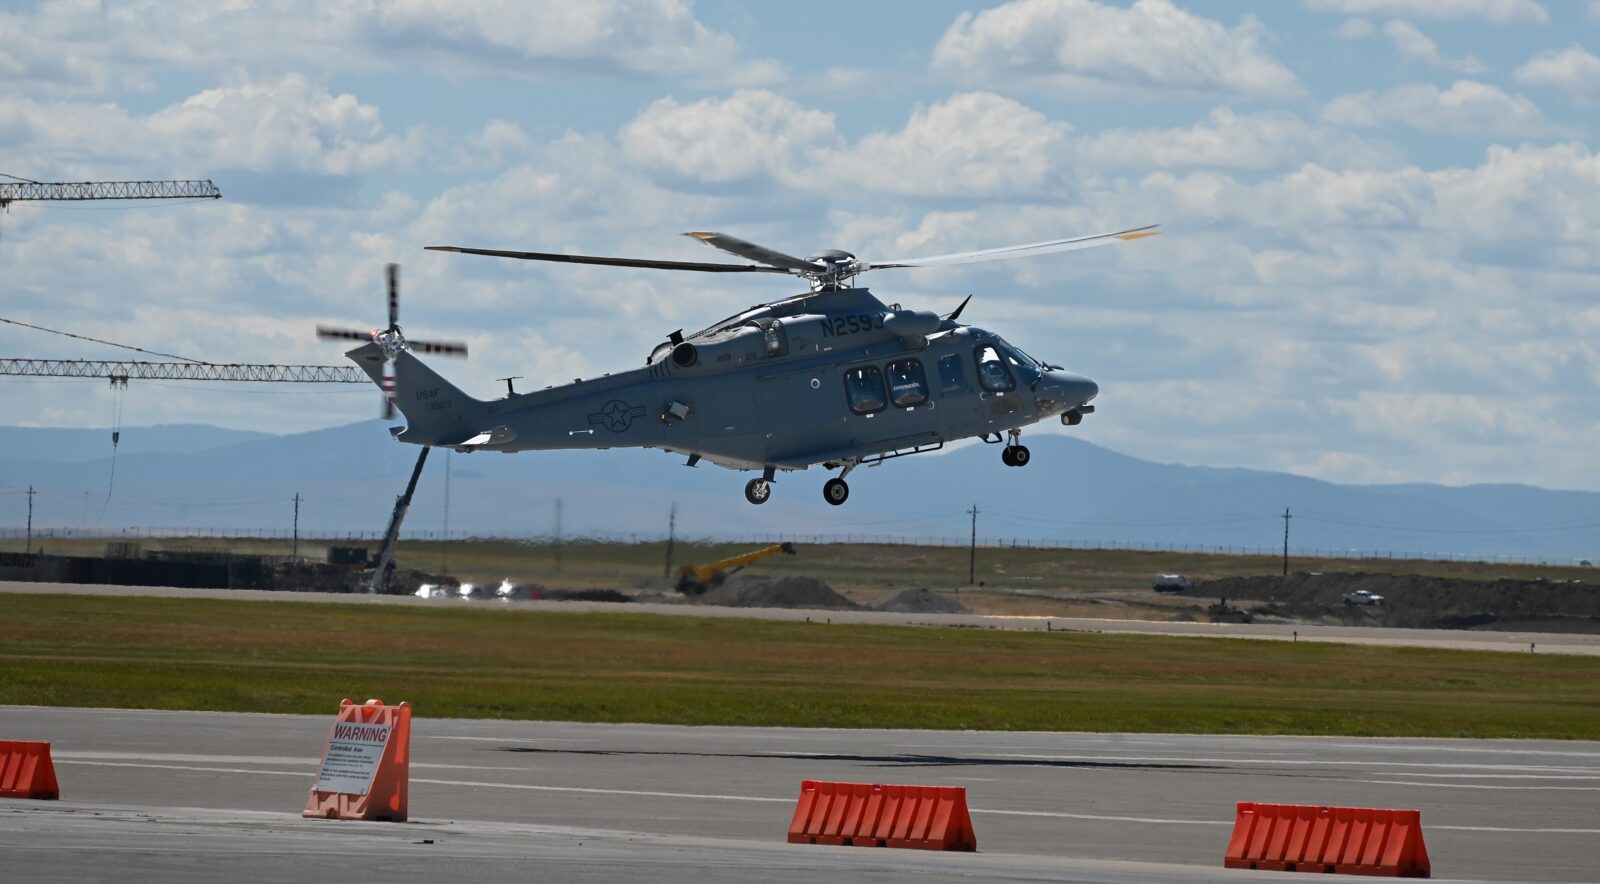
(735, 246)
(611, 262)
(1021, 251)
(343, 334)
(394, 295)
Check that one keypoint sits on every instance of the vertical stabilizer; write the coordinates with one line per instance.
(436, 411)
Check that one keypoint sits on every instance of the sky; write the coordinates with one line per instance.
(1381, 217)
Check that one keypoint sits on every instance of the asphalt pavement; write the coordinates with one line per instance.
(159, 796)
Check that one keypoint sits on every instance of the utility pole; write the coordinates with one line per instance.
(295, 554)
(1286, 518)
(31, 492)
(672, 536)
(972, 551)
(558, 535)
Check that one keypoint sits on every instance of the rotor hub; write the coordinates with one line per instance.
(391, 340)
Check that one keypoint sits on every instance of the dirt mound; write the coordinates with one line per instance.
(586, 595)
(752, 591)
(921, 601)
(1422, 602)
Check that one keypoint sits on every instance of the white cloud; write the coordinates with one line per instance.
(751, 133)
(971, 143)
(1493, 10)
(1087, 49)
(1226, 139)
(291, 125)
(1354, 29)
(1466, 108)
(1414, 44)
(974, 143)
(89, 46)
(627, 37)
(1573, 70)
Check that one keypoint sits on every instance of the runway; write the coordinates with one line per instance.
(1457, 639)
(157, 796)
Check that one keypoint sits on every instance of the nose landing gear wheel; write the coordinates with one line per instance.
(1006, 456)
(835, 491)
(757, 491)
(1020, 456)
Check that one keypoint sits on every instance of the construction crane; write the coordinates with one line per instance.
(696, 579)
(120, 371)
(24, 190)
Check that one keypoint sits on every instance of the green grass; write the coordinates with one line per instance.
(240, 655)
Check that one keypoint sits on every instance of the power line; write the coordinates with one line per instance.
(98, 341)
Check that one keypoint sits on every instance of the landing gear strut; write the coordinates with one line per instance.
(1015, 454)
(835, 491)
(759, 491)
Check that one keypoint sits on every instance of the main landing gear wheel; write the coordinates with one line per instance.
(757, 491)
(1019, 455)
(1005, 457)
(835, 491)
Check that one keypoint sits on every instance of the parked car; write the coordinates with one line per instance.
(1171, 583)
(1362, 597)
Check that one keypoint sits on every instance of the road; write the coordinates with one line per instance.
(157, 796)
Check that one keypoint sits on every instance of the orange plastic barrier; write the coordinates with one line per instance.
(26, 771)
(364, 785)
(921, 817)
(1345, 840)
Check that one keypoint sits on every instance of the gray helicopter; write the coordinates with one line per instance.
(832, 376)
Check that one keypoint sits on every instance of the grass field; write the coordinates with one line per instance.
(499, 663)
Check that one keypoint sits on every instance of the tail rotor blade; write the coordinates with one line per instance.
(445, 348)
(342, 334)
(394, 295)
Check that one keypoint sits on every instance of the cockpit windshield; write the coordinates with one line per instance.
(1026, 367)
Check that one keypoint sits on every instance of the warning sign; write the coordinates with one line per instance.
(354, 752)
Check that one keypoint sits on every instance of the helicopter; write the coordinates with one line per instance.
(832, 376)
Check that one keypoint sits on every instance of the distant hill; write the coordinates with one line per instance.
(187, 477)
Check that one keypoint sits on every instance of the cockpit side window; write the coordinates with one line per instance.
(908, 383)
(992, 371)
(863, 388)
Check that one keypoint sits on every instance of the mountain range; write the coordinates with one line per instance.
(1074, 492)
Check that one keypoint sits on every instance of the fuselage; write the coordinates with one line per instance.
(826, 377)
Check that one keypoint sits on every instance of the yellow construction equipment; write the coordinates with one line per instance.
(695, 579)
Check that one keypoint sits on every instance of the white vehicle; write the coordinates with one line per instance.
(1171, 583)
(1362, 597)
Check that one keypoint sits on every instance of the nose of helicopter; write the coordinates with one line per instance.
(1073, 389)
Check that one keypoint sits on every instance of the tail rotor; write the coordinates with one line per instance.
(392, 341)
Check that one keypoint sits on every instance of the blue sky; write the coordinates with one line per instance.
(1381, 216)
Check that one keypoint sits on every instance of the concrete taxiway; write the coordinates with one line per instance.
(1458, 639)
(150, 796)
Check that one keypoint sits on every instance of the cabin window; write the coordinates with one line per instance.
(992, 371)
(864, 389)
(951, 377)
(908, 383)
